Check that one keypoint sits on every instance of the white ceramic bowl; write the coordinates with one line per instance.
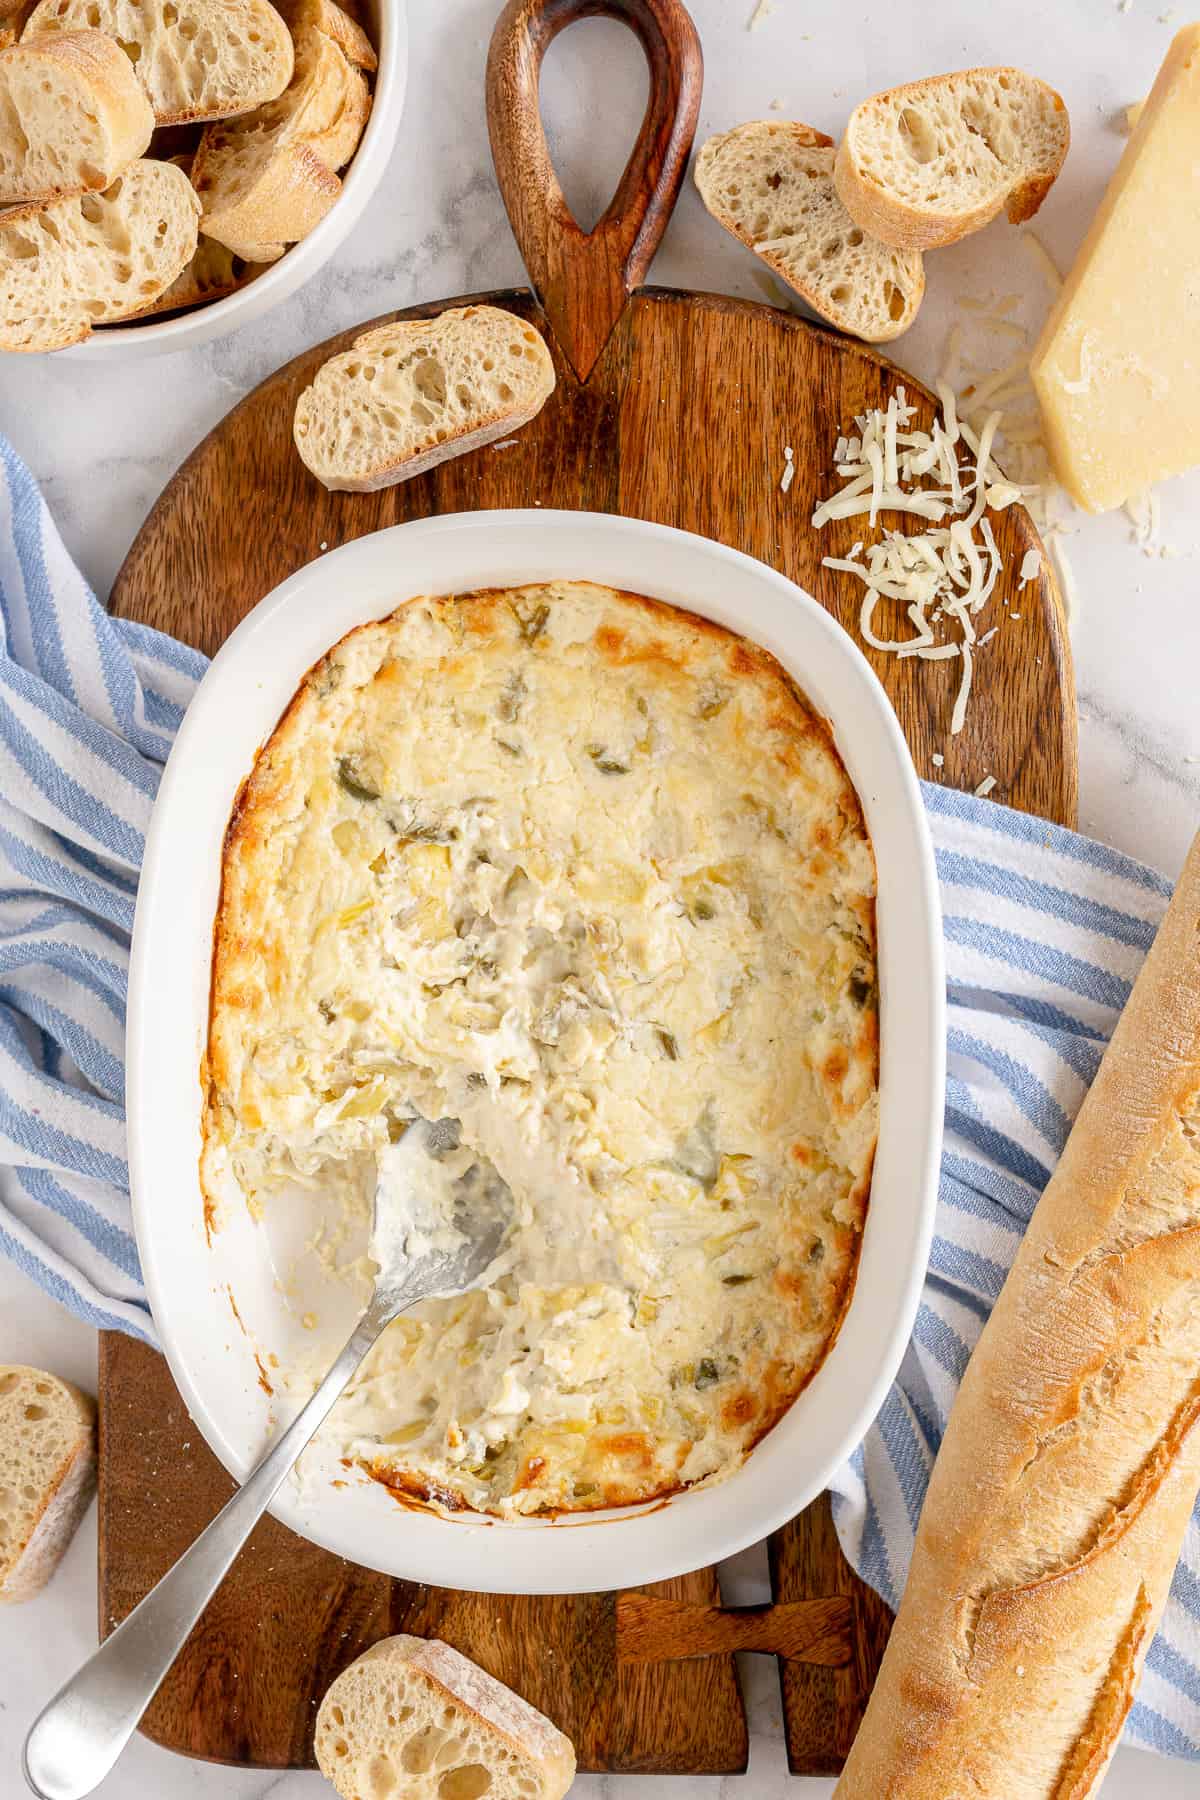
(151, 337)
(237, 705)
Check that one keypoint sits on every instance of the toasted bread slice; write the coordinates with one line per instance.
(196, 59)
(72, 116)
(334, 22)
(47, 1475)
(413, 1718)
(414, 394)
(93, 258)
(770, 183)
(925, 164)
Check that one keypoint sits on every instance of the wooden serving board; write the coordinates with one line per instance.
(674, 407)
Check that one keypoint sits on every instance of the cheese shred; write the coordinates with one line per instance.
(943, 576)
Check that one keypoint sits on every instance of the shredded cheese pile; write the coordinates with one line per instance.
(945, 575)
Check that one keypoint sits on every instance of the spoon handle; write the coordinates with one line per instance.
(76, 1740)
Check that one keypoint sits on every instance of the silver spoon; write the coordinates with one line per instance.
(76, 1740)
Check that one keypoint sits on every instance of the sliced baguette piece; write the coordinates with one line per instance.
(72, 116)
(267, 179)
(1067, 1476)
(414, 1719)
(213, 273)
(414, 394)
(47, 1475)
(925, 164)
(93, 258)
(770, 183)
(326, 103)
(196, 59)
(260, 191)
(335, 23)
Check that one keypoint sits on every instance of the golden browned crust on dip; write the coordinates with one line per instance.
(585, 872)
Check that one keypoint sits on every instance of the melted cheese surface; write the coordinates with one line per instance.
(586, 873)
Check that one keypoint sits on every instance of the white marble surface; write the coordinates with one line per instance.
(103, 442)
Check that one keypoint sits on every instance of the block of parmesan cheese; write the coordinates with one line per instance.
(1117, 369)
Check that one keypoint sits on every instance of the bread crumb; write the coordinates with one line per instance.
(324, 543)
(789, 469)
(777, 106)
(309, 1321)
(506, 443)
(981, 793)
(938, 760)
(760, 15)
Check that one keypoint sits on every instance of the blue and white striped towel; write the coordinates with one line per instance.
(1045, 933)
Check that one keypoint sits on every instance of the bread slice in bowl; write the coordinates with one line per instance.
(93, 258)
(72, 116)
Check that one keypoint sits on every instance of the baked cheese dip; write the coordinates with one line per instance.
(585, 873)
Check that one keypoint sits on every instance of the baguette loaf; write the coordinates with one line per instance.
(93, 258)
(72, 116)
(1071, 1462)
(196, 59)
(47, 1475)
(414, 1720)
(770, 183)
(413, 394)
(924, 164)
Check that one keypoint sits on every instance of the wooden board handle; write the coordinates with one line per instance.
(583, 279)
(651, 1629)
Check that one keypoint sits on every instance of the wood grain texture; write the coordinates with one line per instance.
(822, 1707)
(583, 279)
(652, 1629)
(683, 420)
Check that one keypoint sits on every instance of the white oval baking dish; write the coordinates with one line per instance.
(212, 1356)
(388, 24)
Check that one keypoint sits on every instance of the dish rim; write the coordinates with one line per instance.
(700, 1526)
